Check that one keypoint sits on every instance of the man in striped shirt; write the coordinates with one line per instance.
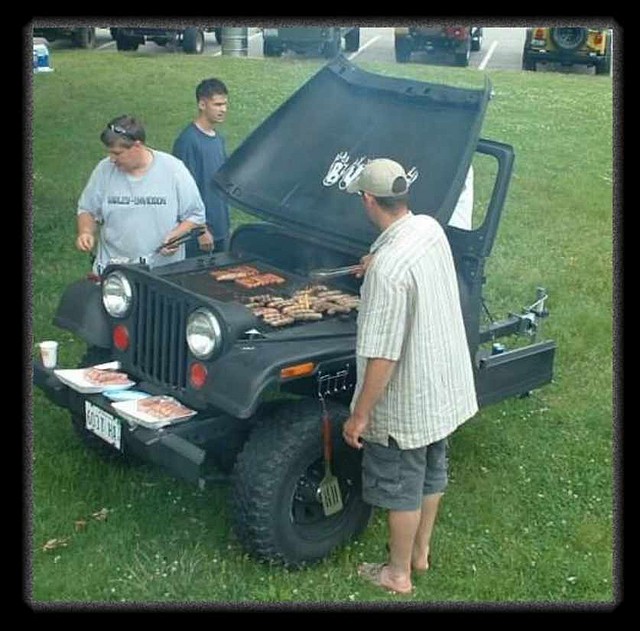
(415, 381)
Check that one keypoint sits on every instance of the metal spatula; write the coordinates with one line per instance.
(329, 486)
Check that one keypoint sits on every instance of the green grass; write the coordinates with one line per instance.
(529, 514)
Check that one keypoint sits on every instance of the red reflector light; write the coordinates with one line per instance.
(121, 337)
(197, 375)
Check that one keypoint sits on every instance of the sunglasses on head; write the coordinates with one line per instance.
(121, 130)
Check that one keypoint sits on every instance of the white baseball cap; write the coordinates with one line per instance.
(381, 177)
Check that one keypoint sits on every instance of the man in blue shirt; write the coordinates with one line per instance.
(202, 149)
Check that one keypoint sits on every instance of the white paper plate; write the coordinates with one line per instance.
(129, 410)
(74, 378)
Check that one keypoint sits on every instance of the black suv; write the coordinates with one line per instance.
(241, 338)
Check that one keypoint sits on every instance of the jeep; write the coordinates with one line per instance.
(459, 40)
(325, 41)
(262, 390)
(568, 46)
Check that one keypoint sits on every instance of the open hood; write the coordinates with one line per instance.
(293, 169)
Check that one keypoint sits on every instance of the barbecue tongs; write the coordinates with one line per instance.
(334, 272)
(182, 238)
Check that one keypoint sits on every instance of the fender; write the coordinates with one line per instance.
(80, 311)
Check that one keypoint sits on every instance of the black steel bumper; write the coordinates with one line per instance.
(563, 57)
(173, 448)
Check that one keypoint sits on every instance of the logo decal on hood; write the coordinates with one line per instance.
(342, 172)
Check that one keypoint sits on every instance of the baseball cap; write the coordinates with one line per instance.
(381, 177)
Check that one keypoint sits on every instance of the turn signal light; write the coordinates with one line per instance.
(597, 39)
(121, 338)
(298, 370)
(197, 375)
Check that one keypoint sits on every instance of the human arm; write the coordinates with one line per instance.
(377, 375)
(86, 239)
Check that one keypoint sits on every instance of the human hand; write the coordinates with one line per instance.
(365, 261)
(170, 236)
(85, 242)
(353, 429)
(205, 241)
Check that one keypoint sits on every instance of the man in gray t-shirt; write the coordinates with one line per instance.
(139, 197)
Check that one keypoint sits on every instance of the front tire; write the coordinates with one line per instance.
(276, 508)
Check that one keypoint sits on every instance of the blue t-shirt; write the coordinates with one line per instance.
(203, 155)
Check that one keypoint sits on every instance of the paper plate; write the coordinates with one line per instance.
(74, 378)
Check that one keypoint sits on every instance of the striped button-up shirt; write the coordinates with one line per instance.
(410, 313)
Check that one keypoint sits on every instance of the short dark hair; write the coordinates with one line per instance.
(123, 129)
(392, 203)
(209, 87)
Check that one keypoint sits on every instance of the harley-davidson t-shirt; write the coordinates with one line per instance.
(136, 214)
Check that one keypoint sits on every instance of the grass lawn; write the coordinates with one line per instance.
(529, 515)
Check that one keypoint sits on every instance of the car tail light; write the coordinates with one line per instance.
(597, 39)
(197, 374)
(456, 32)
(121, 337)
(538, 34)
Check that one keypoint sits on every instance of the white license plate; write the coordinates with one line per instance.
(103, 424)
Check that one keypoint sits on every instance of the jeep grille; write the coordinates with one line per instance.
(160, 348)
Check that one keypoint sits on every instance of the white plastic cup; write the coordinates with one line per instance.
(49, 353)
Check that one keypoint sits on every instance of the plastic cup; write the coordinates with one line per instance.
(49, 353)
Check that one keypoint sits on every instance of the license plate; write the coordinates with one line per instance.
(103, 424)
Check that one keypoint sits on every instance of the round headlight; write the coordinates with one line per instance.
(204, 334)
(116, 295)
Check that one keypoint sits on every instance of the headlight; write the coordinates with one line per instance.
(116, 295)
(204, 334)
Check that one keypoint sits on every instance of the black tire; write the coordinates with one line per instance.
(528, 63)
(193, 41)
(352, 40)
(603, 66)
(276, 509)
(476, 40)
(85, 37)
(271, 48)
(332, 48)
(569, 38)
(218, 35)
(403, 48)
(125, 43)
(462, 56)
(113, 31)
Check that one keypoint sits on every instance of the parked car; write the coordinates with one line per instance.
(190, 39)
(459, 40)
(214, 333)
(568, 46)
(325, 41)
(80, 36)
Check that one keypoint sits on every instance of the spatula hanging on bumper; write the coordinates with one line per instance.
(329, 486)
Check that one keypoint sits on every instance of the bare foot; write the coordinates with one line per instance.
(380, 574)
(420, 562)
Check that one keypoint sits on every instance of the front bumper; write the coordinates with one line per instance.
(174, 448)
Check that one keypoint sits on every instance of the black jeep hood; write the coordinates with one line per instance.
(293, 169)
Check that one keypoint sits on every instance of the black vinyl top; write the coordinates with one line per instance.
(292, 169)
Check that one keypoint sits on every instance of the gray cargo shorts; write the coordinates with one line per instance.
(397, 479)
